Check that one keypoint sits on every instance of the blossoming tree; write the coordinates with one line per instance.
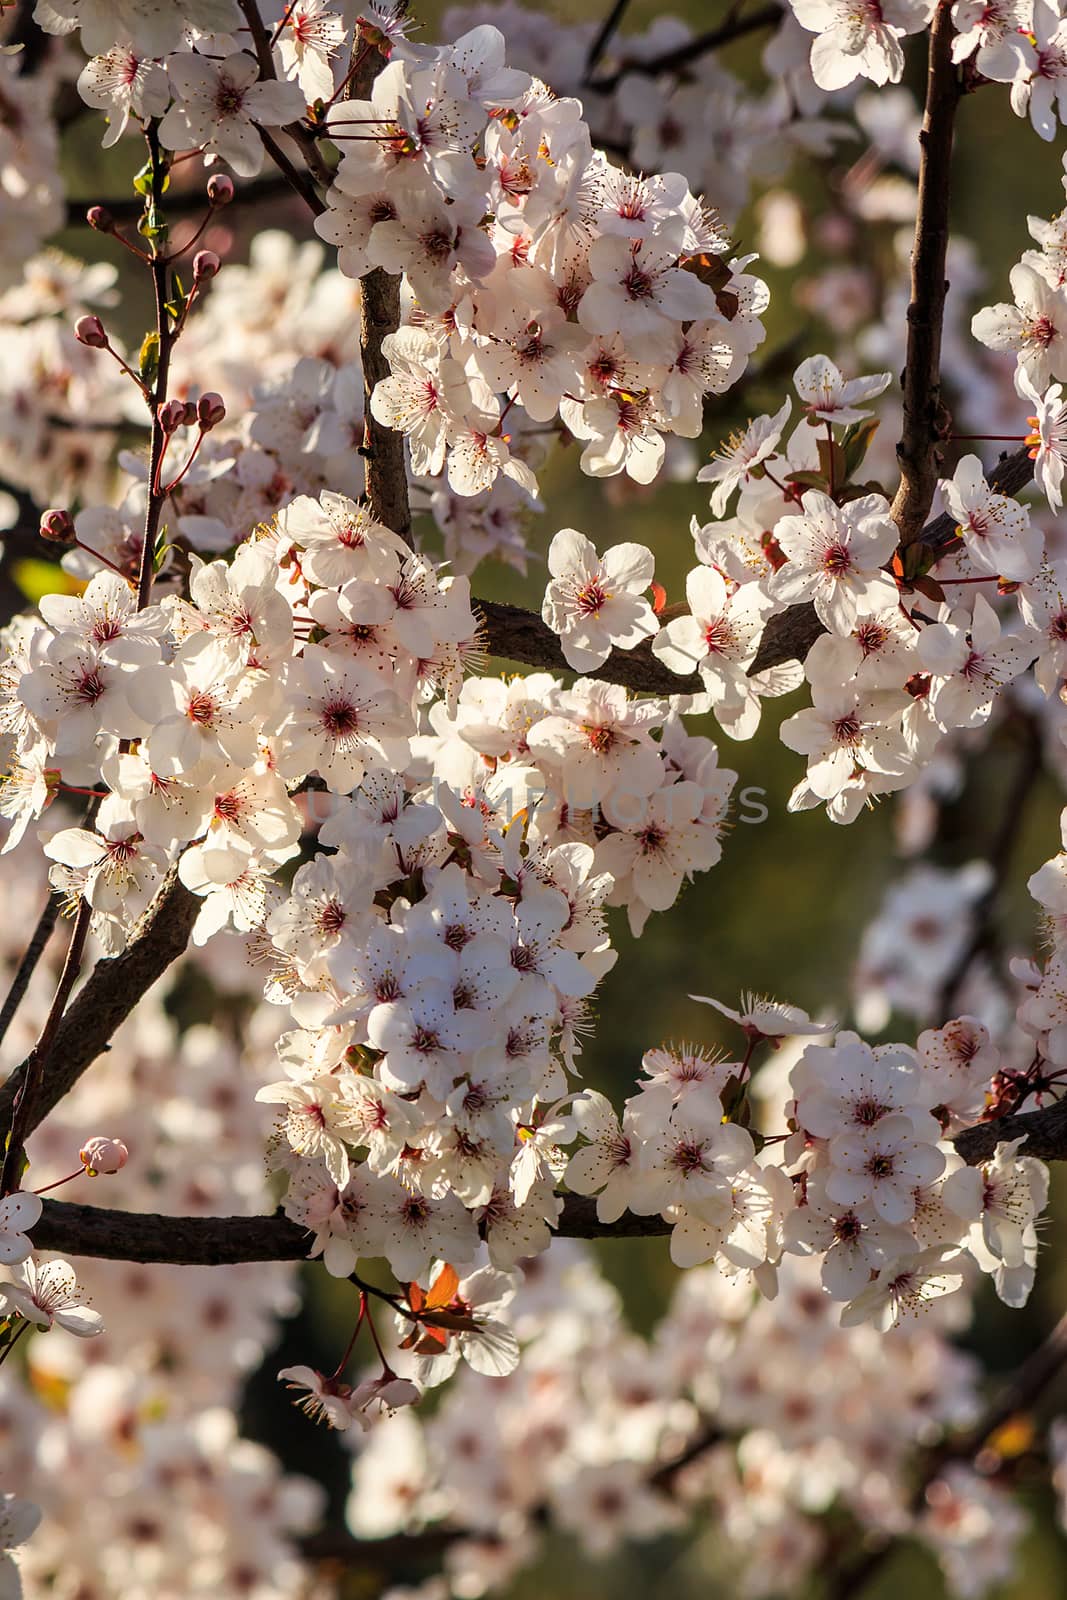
(252, 742)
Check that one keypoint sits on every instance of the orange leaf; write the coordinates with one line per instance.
(442, 1289)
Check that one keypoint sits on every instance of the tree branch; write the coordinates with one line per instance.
(733, 27)
(46, 923)
(222, 1241)
(111, 992)
(923, 412)
(604, 35)
(1044, 1130)
(520, 635)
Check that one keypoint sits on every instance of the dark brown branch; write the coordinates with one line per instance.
(35, 1075)
(383, 447)
(108, 996)
(303, 138)
(384, 459)
(1045, 1132)
(923, 412)
(520, 635)
(221, 1241)
(676, 60)
(604, 35)
(46, 923)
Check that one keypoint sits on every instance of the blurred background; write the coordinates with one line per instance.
(784, 911)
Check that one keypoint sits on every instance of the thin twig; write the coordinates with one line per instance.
(37, 1062)
(604, 35)
(114, 988)
(682, 56)
(165, 336)
(924, 420)
(46, 923)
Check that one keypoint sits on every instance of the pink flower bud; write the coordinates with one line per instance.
(220, 189)
(189, 417)
(100, 218)
(171, 415)
(101, 1157)
(205, 265)
(211, 410)
(57, 526)
(90, 331)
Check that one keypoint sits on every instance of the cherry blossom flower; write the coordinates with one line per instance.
(18, 1212)
(220, 103)
(835, 556)
(764, 1018)
(1049, 440)
(884, 1163)
(904, 1287)
(326, 1399)
(309, 42)
(971, 658)
(1003, 1199)
(1040, 85)
(49, 1296)
(991, 30)
(859, 41)
(19, 1521)
(123, 84)
(829, 397)
(387, 1392)
(1035, 327)
(734, 464)
(995, 529)
(638, 286)
(596, 603)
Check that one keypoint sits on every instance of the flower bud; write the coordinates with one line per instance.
(189, 417)
(57, 526)
(101, 1157)
(210, 410)
(205, 265)
(220, 189)
(171, 415)
(100, 218)
(90, 331)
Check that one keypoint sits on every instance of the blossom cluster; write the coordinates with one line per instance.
(127, 1441)
(753, 1415)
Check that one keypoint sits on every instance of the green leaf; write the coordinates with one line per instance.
(148, 360)
(159, 554)
(855, 443)
(153, 225)
(808, 480)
